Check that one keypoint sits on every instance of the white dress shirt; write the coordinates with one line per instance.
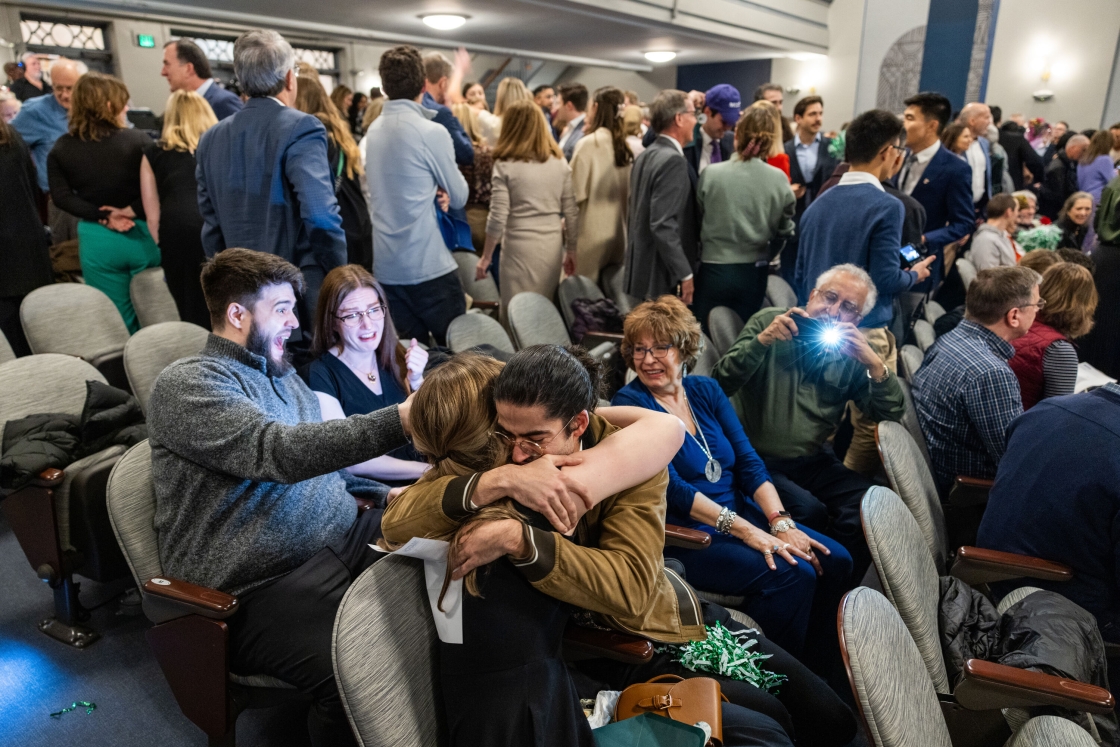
(860, 177)
(572, 127)
(706, 145)
(913, 174)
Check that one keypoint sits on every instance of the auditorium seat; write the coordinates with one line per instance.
(707, 359)
(779, 293)
(933, 311)
(571, 288)
(151, 298)
(909, 579)
(924, 335)
(909, 361)
(909, 476)
(898, 705)
(967, 271)
(189, 638)
(534, 320)
(60, 518)
(725, 326)
(154, 348)
(484, 293)
(76, 319)
(6, 352)
(469, 330)
(611, 280)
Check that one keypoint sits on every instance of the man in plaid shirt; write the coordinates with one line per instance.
(965, 392)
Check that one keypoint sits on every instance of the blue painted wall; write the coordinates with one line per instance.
(948, 48)
(745, 75)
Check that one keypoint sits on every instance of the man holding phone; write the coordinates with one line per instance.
(859, 223)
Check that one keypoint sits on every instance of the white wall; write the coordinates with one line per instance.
(833, 77)
(883, 23)
(646, 85)
(1078, 39)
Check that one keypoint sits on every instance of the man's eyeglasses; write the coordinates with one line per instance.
(355, 320)
(848, 309)
(1040, 305)
(657, 351)
(534, 448)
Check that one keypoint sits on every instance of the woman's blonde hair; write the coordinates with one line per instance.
(468, 117)
(632, 121)
(754, 134)
(312, 98)
(373, 111)
(186, 117)
(1071, 299)
(452, 421)
(96, 105)
(666, 321)
(525, 135)
(510, 91)
(776, 117)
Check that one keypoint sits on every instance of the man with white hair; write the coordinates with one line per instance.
(263, 178)
(31, 84)
(790, 376)
(977, 117)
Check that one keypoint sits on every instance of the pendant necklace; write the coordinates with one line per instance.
(712, 470)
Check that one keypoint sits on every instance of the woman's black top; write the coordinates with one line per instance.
(1073, 235)
(86, 174)
(180, 230)
(329, 375)
(352, 207)
(25, 262)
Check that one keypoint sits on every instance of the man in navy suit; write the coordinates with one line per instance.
(263, 178)
(438, 74)
(187, 69)
(809, 166)
(936, 178)
(977, 118)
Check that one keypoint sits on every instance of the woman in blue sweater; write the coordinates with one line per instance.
(791, 579)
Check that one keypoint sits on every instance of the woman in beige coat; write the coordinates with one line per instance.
(601, 177)
(530, 192)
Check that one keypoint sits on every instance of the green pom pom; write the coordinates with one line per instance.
(728, 654)
(1043, 237)
(836, 147)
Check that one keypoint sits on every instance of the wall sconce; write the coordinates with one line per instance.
(1044, 94)
(793, 90)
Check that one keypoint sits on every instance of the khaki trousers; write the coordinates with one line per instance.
(863, 455)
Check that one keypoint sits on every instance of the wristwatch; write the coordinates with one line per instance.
(782, 525)
(886, 375)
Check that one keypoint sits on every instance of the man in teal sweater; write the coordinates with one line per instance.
(859, 223)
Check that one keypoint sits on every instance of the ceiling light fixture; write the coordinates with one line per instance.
(444, 21)
(665, 56)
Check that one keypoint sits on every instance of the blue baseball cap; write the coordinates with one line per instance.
(725, 100)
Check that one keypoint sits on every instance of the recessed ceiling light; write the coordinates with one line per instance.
(665, 56)
(443, 21)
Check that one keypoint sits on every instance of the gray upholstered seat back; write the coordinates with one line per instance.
(893, 693)
(154, 348)
(707, 359)
(906, 572)
(967, 271)
(1051, 731)
(909, 361)
(131, 500)
(72, 319)
(6, 352)
(469, 330)
(934, 311)
(779, 293)
(151, 298)
(913, 425)
(725, 325)
(612, 280)
(385, 654)
(573, 287)
(911, 479)
(44, 383)
(479, 290)
(924, 335)
(533, 320)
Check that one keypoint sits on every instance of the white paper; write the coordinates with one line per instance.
(449, 623)
(1088, 376)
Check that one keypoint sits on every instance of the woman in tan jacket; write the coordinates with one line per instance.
(530, 192)
(601, 178)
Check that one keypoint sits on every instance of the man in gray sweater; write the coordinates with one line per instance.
(250, 493)
(991, 244)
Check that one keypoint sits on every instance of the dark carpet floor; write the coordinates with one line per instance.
(118, 673)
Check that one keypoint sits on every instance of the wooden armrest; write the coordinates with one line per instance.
(691, 539)
(988, 686)
(978, 565)
(476, 304)
(969, 491)
(48, 478)
(593, 643)
(615, 337)
(167, 598)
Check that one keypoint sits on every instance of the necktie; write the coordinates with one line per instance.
(717, 154)
(906, 168)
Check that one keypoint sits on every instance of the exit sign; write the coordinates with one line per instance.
(145, 40)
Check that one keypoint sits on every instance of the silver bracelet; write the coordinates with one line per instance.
(725, 521)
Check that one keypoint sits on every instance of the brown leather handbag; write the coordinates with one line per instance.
(686, 701)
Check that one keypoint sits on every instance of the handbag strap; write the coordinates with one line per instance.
(666, 678)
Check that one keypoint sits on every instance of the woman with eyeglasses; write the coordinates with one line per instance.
(719, 484)
(361, 365)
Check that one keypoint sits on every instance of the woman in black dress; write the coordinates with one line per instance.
(346, 169)
(24, 253)
(170, 194)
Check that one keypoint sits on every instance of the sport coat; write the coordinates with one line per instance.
(826, 164)
(264, 183)
(662, 244)
(692, 150)
(224, 103)
(945, 191)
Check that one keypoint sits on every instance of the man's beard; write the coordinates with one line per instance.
(259, 344)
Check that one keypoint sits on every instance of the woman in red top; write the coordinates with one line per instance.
(1045, 361)
(777, 156)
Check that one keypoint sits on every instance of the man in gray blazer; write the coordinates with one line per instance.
(662, 246)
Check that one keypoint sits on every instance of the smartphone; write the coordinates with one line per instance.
(910, 255)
